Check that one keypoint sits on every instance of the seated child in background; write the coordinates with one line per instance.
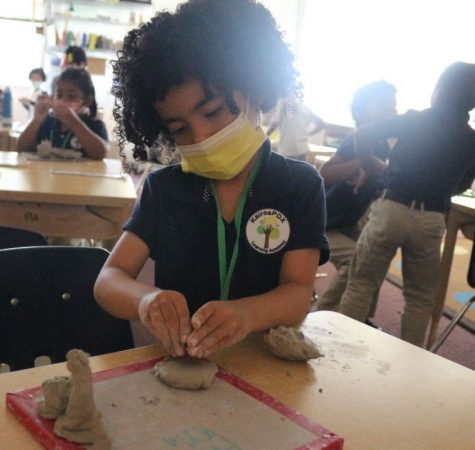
(347, 203)
(37, 78)
(72, 122)
(75, 56)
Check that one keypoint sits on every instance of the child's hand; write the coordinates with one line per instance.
(65, 113)
(43, 104)
(216, 325)
(358, 180)
(166, 315)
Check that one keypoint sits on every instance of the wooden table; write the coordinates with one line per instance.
(462, 213)
(36, 197)
(376, 391)
(319, 154)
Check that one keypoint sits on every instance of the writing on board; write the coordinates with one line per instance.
(199, 438)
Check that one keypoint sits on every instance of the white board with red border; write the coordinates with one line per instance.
(140, 412)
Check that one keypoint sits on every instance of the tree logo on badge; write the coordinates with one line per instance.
(267, 231)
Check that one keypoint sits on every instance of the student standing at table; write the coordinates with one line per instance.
(296, 123)
(347, 202)
(72, 122)
(434, 152)
(236, 231)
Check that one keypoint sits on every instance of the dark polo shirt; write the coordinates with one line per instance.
(344, 206)
(434, 151)
(51, 129)
(176, 218)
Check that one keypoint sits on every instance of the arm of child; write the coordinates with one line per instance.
(339, 169)
(219, 324)
(318, 124)
(94, 146)
(28, 139)
(165, 313)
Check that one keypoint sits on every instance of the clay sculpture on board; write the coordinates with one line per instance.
(71, 401)
(56, 396)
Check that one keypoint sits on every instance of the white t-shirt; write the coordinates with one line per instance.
(294, 124)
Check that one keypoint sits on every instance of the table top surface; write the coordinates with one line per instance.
(321, 149)
(372, 389)
(464, 203)
(67, 182)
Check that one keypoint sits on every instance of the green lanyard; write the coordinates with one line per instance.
(225, 272)
(68, 135)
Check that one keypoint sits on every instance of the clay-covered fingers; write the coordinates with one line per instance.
(166, 315)
(215, 325)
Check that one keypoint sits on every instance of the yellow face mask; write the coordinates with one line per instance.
(225, 154)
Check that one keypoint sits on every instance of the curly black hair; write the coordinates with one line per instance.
(227, 44)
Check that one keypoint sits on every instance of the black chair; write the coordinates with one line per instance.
(19, 237)
(47, 306)
(456, 319)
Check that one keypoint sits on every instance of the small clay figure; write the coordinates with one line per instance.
(56, 395)
(81, 422)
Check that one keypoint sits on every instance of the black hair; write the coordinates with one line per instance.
(82, 79)
(75, 55)
(455, 89)
(226, 44)
(39, 71)
(365, 97)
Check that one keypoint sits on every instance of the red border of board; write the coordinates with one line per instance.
(23, 406)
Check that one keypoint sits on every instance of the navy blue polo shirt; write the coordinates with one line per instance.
(51, 130)
(344, 206)
(176, 218)
(435, 149)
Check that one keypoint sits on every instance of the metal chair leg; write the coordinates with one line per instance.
(455, 320)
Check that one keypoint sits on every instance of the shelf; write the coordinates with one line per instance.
(64, 18)
(103, 3)
(97, 52)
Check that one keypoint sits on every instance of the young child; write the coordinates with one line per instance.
(69, 119)
(296, 123)
(37, 77)
(236, 231)
(347, 204)
(435, 151)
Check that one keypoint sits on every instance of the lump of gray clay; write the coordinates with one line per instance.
(291, 344)
(186, 372)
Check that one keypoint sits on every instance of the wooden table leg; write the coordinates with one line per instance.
(456, 219)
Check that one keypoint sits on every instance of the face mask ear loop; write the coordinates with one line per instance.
(258, 125)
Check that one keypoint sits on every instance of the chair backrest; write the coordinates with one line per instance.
(19, 237)
(471, 266)
(47, 306)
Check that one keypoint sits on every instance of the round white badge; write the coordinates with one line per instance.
(268, 231)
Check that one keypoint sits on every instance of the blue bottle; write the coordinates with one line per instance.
(7, 108)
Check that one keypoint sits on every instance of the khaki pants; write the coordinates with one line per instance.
(418, 233)
(342, 245)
